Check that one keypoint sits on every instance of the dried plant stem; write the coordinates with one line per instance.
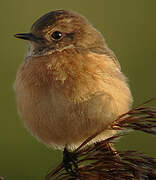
(101, 161)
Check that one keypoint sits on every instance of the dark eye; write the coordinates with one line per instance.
(56, 35)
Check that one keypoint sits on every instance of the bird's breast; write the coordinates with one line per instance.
(67, 94)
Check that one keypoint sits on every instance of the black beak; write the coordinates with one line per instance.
(27, 36)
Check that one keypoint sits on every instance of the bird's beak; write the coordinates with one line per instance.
(26, 36)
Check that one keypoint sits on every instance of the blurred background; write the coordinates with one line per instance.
(129, 28)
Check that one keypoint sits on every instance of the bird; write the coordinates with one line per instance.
(70, 85)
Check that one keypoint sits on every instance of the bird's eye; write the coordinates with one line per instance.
(56, 35)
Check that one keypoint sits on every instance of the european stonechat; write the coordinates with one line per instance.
(70, 85)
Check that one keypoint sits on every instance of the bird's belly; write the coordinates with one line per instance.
(59, 122)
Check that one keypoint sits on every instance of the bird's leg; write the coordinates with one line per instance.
(70, 161)
(112, 150)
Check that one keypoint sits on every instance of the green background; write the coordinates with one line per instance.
(129, 27)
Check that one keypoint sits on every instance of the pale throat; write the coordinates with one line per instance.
(33, 51)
